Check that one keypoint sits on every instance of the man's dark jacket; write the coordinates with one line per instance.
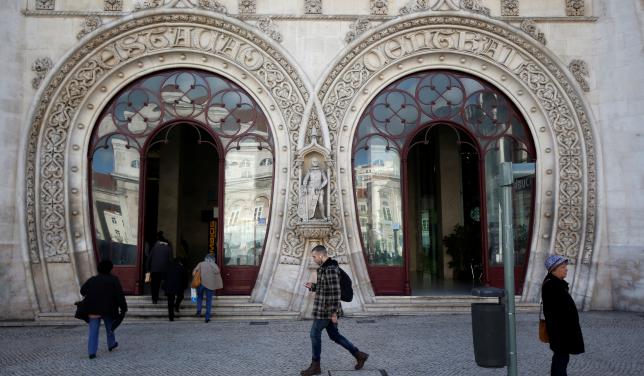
(327, 291)
(104, 296)
(562, 319)
(160, 257)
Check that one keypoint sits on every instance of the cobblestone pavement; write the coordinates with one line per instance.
(416, 345)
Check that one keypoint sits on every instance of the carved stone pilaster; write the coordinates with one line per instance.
(575, 7)
(379, 7)
(509, 7)
(41, 66)
(530, 27)
(113, 5)
(45, 4)
(247, 6)
(357, 28)
(313, 6)
(579, 70)
(475, 6)
(90, 23)
(266, 25)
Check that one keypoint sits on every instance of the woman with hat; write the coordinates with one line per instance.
(562, 318)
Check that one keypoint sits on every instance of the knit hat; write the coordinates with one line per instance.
(553, 261)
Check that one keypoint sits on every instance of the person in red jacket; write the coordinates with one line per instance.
(103, 299)
(562, 318)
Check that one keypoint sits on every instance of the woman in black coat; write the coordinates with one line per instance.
(175, 284)
(562, 319)
(103, 299)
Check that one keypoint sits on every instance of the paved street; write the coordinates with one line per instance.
(417, 345)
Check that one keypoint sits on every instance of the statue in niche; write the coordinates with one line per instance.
(312, 192)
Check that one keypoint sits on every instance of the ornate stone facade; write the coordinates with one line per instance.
(530, 27)
(90, 24)
(422, 5)
(45, 4)
(475, 6)
(41, 67)
(579, 70)
(268, 27)
(575, 7)
(509, 7)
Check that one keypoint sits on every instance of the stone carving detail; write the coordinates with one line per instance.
(247, 6)
(90, 23)
(475, 6)
(577, 198)
(579, 70)
(113, 5)
(45, 4)
(268, 27)
(312, 193)
(422, 5)
(379, 7)
(313, 6)
(212, 5)
(509, 7)
(574, 7)
(41, 66)
(357, 28)
(46, 196)
(530, 27)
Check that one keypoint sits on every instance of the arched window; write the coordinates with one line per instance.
(426, 160)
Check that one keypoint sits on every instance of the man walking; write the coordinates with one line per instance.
(326, 311)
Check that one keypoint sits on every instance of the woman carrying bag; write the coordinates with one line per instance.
(210, 277)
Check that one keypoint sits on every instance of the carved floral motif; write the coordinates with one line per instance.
(212, 5)
(113, 5)
(530, 27)
(41, 66)
(266, 25)
(357, 28)
(247, 6)
(579, 70)
(422, 5)
(90, 23)
(475, 6)
(575, 7)
(45, 4)
(509, 7)
(313, 6)
(379, 7)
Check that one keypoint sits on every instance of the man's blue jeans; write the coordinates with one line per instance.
(201, 290)
(332, 330)
(94, 326)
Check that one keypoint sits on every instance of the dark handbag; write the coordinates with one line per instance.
(543, 332)
(82, 312)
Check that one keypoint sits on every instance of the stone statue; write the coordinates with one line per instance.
(312, 192)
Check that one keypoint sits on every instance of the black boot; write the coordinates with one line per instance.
(314, 369)
(361, 358)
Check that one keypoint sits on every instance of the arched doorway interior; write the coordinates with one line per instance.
(161, 116)
(426, 157)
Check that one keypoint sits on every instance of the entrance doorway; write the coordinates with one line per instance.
(443, 206)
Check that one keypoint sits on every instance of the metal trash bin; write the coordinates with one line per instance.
(488, 328)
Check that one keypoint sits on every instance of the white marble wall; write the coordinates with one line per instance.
(15, 295)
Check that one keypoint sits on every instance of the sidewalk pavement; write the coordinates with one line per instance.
(398, 345)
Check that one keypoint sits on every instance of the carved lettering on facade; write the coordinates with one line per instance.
(575, 7)
(379, 7)
(509, 7)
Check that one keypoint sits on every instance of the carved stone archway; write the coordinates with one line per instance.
(565, 216)
(57, 221)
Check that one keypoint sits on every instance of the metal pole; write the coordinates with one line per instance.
(507, 180)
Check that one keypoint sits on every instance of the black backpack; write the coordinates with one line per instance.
(346, 291)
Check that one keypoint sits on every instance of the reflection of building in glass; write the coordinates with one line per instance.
(248, 180)
(116, 202)
(379, 203)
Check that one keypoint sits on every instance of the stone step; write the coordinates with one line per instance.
(419, 305)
